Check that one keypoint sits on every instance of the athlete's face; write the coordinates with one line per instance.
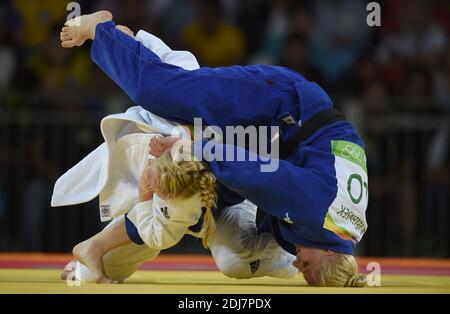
(310, 261)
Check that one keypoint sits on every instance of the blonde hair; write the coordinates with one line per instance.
(341, 270)
(183, 179)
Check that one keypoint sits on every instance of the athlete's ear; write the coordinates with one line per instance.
(329, 253)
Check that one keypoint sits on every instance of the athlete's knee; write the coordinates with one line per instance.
(239, 266)
(233, 269)
(119, 272)
(119, 264)
(119, 276)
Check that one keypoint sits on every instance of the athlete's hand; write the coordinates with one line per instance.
(126, 30)
(159, 145)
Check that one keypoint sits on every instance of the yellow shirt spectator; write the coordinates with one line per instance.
(225, 46)
(39, 18)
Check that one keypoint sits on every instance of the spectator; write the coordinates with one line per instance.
(172, 18)
(338, 44)
(36, 191)
(8, 62)
(280, 19)
(8, 58)
(375, 99)
(212, 40)
(276, 29)
(296, 56)
(300, 19)
(441, 89)
(417, 39)
(417, 89)
(253, 18)
(39, 18)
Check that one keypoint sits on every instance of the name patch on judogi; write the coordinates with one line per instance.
(346, 216)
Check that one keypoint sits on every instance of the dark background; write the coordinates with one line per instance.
(392, 82)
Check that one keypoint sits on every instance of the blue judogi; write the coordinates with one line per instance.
(302, 189)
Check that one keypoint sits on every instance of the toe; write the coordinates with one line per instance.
(68, 43)
(68, 31)
(70, 267)
(106, 15)
(125, 30)
(64, 275)
(65, 36)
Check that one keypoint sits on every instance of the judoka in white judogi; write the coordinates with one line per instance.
(113, 171)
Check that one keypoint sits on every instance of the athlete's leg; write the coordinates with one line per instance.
(119, 263)
(90, 252)
(174, 93)
(241, 252)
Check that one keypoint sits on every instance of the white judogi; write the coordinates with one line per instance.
(98, 173)
(112, 172)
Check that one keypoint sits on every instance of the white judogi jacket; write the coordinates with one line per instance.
(113, 170)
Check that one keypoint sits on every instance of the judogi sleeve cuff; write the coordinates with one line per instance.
(132, 231)
(131, 222)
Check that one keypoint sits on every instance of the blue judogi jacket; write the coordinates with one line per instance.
(258, 95)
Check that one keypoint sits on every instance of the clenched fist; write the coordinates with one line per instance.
(159, 145)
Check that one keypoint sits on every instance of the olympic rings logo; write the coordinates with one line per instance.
(350, 151)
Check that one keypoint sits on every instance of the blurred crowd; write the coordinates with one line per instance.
(327, 40)
(399, 69)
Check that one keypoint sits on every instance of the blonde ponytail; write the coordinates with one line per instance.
(184, 179)
(341, 271)
(208, 196)
(357, 281)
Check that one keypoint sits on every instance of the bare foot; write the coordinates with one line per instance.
(68, 269)
(126, 30)
(76, 31)
(90, 255)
